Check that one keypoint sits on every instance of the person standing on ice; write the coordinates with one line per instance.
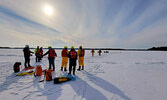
(51, 57)
(72, 60)
(64, 55)
(36, 52)
(27, 54)
(40, 54)
(100, 52)
(92, 51)
(81, 54)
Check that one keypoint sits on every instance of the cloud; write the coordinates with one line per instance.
(91, 23)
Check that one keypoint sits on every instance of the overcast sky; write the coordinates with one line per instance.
(90, 23)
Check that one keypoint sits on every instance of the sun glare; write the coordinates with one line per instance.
(48, 10)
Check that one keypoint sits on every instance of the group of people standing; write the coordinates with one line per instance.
(93, 52)
(72, 55)
(38, 53)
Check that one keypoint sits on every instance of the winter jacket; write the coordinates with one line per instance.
(27, 52)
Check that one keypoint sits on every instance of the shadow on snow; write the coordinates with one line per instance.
(107, 86)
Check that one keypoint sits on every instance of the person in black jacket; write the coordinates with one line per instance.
(72, 60)
(27, 54)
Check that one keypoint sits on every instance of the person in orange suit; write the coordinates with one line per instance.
(64, 55)
(81, 54)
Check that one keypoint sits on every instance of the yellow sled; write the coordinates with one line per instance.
(25, 73)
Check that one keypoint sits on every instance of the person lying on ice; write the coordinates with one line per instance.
(27, 54)
(72, 60)
(51, 57)
(64, 55)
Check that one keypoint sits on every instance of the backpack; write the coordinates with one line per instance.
(52, 53)
(38, 71)
(64, 53)
(48, 75)
(16, 67)
(73, 54)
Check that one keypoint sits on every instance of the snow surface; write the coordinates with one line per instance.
(118, 75)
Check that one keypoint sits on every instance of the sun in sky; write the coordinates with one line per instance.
(48, 10)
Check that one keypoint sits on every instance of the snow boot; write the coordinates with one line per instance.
(69, 73)
(65, 69)
(61, 68)
(73, 72)
(82, 68)
(79, 68)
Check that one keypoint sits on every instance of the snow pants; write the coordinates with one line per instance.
(64, 62)
(27, 61)
(81, 61)
(51, 63)
(72, 66)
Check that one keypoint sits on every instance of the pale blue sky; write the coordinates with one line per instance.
(90, 23)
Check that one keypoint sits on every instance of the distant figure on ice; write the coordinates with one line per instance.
(64, 55)
(92, 51)
(100, 52)
(106, 51)
(36, 52)
(72, 60)
(51, 57)
(27, 54)
(81, 54)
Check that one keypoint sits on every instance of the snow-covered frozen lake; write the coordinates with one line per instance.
(118, 75)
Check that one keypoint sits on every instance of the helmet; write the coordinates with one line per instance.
(49, 47)
(65, 47)
(80, 46)
(72, 47)
(27, 46)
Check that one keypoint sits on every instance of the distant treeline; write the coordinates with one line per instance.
(150, 49)
(159, 48)
(62, 48)
(4, 47)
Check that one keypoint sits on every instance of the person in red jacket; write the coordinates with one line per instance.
(51, 57)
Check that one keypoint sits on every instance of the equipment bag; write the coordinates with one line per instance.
(61, 79)
(48, 75)
(16, 67)
(38, 71)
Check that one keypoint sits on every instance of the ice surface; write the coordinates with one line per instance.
(117, 75)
